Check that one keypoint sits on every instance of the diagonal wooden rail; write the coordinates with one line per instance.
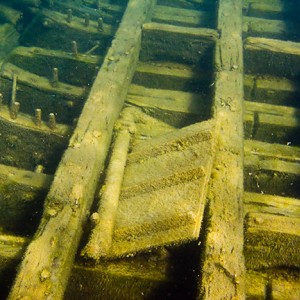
(44, 276)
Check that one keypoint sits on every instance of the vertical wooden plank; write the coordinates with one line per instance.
(223, 268)
(46, 267)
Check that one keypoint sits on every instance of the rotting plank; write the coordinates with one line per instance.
(21, 198)
(154, 208)
(271, 56)
(182, 17)
(272, 123)
(269, 10)
(176, 101)
(74, 69)
(271, 175)
(271, 204)
(179, 44)
(270, 89)
(23, 143)
(75, 182)
(284, 289)
(256, 285)
(223, 270)
(272, 240)
(275, 29)
(267, 150)
(172, 76)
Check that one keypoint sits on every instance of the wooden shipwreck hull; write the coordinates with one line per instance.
(149, 149)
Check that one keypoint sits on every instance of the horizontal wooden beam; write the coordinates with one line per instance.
(193, 45)
(271, 241)
(274, 57)
(70, 197)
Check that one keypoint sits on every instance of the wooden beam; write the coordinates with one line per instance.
(77, 177)
(272, 240)
(271, 89)
(272, 123)
(223, 270)
(276, 57)
(21, 199)
(183, 17)
(193, 45)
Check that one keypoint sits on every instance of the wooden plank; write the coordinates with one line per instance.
(186, 3)
(269, 10)
(77, 24)
(64, 100)
(271, 204)
(266, 28)
(223, 270)
(271, 241)
(125, 279)
(272, 176)
(279, 58)
(173, 76)
(267, 150)
(183, 17)
(171, 100)
(273, 123)
(11, 250)
(282, 289)
(21, 199)
(41, 83)
(155, 208)
(25, 147)
(270, 89)
(78, 70)
(71, 196)
(110, 13)
(193, 45)
(256, 285)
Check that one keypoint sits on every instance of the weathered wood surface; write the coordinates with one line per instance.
(78, 24)
(34, 3)
(271, 89)
(26, 145)
(21, 199)
(41, 83)
(34, 91)
(156, 208)
(79, 69)
(276, 57)
(183, 17)
(283, 289)
(173, 76)
(275, 151)
(223, 270)
(272, 240)
(271, 175)
(171, 100)
(272, 123)
(70, 197)
(179, 44)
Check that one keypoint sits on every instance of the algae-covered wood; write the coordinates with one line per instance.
(71, 196)
(156, 208)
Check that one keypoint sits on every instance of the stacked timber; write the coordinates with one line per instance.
(161, 147)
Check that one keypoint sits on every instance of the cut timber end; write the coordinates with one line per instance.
(166, 207)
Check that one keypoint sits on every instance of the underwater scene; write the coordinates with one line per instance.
(150, 149)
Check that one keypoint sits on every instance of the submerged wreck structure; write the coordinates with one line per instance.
(149, 149)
